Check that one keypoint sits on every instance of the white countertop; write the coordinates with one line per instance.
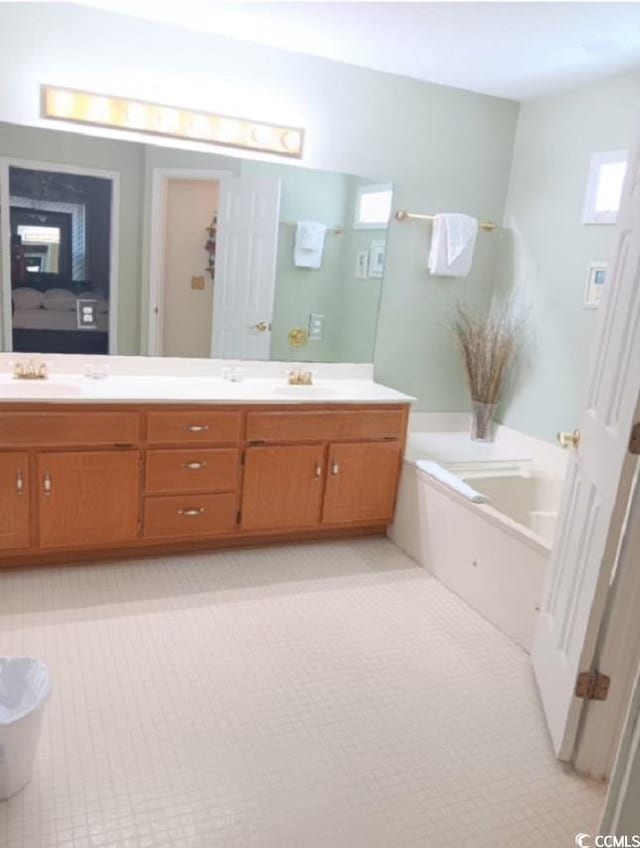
(131, 388)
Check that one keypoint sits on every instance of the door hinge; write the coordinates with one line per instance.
(634, 441)
(592, 686)
(239, 516)
(242, 457)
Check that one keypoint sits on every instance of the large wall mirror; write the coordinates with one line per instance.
(115, 246)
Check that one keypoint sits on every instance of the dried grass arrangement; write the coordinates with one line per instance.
(489, 342)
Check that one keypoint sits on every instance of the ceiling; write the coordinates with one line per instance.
(508, 49)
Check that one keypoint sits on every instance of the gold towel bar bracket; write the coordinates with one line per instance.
(403, 215)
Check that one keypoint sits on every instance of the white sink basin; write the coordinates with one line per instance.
(38, 389)
(305, 391)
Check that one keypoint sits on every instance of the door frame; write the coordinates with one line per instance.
(160, 177)
(620, 815)
(6, 162)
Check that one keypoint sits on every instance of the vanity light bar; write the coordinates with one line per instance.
(66, 104)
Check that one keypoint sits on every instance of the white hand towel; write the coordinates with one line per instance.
(309, 244)
(451, 481)
(453, 240)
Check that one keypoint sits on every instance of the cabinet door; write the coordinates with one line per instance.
(282, 487)
(361, 482)
(14, 500)
(88, 497)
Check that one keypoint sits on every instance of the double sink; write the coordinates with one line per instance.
(72, 387)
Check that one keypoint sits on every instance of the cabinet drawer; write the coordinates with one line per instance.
(192, 470)
(193, 427)
(69, 428)
(189, 516)
(325, 426)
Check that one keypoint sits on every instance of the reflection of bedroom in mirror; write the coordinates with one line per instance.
(60, 237)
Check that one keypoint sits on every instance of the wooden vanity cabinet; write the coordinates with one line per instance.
(15, 524)
(283, 487)
(347, 476)
(361, 482)
(88, 481)
(87, 497)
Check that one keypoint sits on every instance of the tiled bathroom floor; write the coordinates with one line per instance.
(313, 696)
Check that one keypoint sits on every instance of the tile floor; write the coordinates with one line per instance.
(329, 695)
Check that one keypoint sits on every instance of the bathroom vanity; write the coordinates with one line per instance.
(106, 476)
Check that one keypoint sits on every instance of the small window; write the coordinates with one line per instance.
(604, 187)
(373, 207)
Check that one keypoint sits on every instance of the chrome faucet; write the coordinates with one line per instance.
(30, 371)
(300, 378)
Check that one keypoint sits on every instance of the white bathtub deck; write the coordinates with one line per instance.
(456, 448)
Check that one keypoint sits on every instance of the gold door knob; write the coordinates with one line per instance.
(569, 439)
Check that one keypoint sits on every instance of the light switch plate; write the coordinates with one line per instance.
(316, 325)
(362, 264)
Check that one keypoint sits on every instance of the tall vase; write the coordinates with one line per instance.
(483, 425)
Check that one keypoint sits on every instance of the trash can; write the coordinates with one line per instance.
(25, 685)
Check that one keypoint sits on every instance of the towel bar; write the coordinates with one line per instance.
(403, 215)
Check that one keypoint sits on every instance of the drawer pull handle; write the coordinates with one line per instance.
(20, 482)
(47, 483)
(335, 469)
(194, 466)
(318, 470)
(192, 512)
(196, 428)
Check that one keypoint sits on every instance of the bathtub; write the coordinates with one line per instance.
(492, 555)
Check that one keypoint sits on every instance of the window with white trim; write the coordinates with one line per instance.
(604, 187)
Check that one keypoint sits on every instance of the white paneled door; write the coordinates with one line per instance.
(597, 487)
(246, 247)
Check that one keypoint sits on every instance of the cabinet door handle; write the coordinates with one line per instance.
(335, 469)
(47, 483)
(196, 428)
(194, 466)
(20, 482)
(318, 470)
(191, 512)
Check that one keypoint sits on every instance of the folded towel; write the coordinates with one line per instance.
(309, 244)
(448, 479)
(453, 240)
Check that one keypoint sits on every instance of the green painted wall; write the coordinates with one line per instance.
(545, 249)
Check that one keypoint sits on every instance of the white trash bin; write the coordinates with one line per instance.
(25, 686)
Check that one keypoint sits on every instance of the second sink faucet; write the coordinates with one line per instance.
(30, 371)
(300, 378)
